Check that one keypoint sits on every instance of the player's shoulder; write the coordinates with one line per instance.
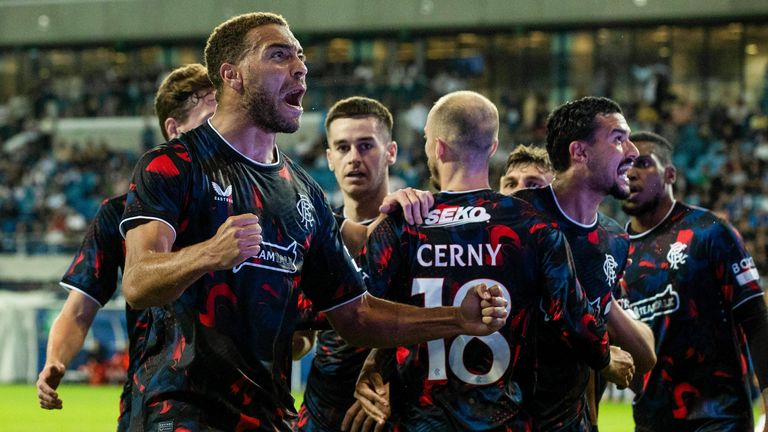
(611, 226)
(699, 218)
(114, 203)
(166, 157)
(111, 209)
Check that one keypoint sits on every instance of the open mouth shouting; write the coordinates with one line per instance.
(293, 98)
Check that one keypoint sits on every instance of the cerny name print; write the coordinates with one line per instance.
(456, 255)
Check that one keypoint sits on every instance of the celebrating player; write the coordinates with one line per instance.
(588, 144)
(694, 283)
(223, 231)
(473, 235)
(183, 101)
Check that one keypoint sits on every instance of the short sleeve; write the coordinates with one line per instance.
(159, 187)
(94, 270)
(741, 279)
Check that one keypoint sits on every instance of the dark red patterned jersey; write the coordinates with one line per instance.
(479, 383)
(600, 255)
(219, 356)
(330, 386)
(94, 273)
(687, 276)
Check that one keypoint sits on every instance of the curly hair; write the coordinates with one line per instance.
(359, 106)
(179, 92)
(574, 121)
(226, 44)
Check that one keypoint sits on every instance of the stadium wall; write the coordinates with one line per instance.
(58, 22)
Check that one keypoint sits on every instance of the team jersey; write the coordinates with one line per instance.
(219, 356)
(600, 254)
(330, 386)
(687, 276)
(467, 382)
(94, 273)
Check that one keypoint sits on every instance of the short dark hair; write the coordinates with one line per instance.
(358, 107)
(529, 155)
(179, 92)
(573, 121)
(226, 44)
(662, 147)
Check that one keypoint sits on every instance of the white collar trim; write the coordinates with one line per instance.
(275, 163)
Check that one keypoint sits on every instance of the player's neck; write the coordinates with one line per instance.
(251, 141)
(366, 208)
(648, 220)
(465, 178)
(576, 200)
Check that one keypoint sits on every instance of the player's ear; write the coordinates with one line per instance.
(441, 148)
(391, 153)
(578, 151)
(328, 158)
(494, 147)
(171, 128)
(231, 76)
(670, 174)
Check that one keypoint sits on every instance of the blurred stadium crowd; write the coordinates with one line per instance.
(50, 188)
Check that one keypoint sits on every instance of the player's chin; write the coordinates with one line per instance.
(619, 191)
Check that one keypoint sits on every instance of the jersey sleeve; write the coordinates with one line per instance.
(565, 303)
(159, 187)
(330, 276)
(94, 269)
(382, 261)
(741, 281)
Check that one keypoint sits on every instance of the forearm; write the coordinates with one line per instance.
(302, 343)
(632, 336)
(158, 278)
(380, 323)
(66, 337)
(753, 319)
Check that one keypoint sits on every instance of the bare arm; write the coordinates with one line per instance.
(372, 404)
(156, 276)
(302, 343)
(752, 316)
(633, 336)
(64, 342)
(371, 321)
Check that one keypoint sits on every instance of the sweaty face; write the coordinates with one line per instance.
(273, 78)
(522, 176)
(610, 156)
(359, 153)
(204, 105)
(646, 182)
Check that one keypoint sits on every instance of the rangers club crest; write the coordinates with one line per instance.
(609, 267)
(306, 212)
(677, 255)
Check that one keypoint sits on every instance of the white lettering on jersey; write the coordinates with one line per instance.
(306, 212)
(663, 303)
(450, 216)
(745, 271)
(272, 257)
(453, 255)
(677, 255)
(609, 267)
